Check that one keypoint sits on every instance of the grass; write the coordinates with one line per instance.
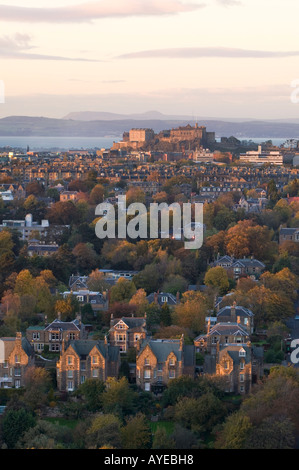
(70, 423)
(167, 425)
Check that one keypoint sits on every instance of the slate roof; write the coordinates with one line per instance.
(131, 322)
(171, 299)
(163, 347)
(288, 231)
(9, 344)
(234, 352)
(228, 329)
(83, 348)
(62, 325)
(240, 311)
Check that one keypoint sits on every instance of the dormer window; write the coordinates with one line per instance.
(242, 353)
(171, 361)
(146, 361)
(164, 299)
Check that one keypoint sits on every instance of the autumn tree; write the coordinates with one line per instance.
(136, 434)
(122, 291)
(191, 311)
(104, 431)
(217, 277)
(139, 299)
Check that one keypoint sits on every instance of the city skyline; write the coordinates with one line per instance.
(234, 59)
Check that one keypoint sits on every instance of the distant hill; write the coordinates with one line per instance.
(149, 115)
(48, 127)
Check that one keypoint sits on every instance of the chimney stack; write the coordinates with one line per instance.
(182, 342)
(233, 312)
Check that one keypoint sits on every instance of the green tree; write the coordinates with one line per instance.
(234, 432)
(217, 277)
(122, 291)
(14, 424)
(104, 431)
(118, 397)
(162, 440)
(136, 434)
(91, 392)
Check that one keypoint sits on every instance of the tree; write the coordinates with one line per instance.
(272, 192)
(118, 398)
(134, 195)
(234, 432)
(275, 432)
(136, 434)
(200, 414)
(97, 194)
(139, 299)
(104, 431)
(91, 391)
(35, 188)
(45, 435)
(162, 440)
(67, 308)
(63, 213)
(14, 425)
(86, 257)
(122, 291)
(37, 383)
(165, 316)
(217, 277)
(175, 283)
(191, 311)
(96, 281)
(248, 239)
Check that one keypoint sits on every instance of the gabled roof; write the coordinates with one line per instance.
(9, 345)
(234, 329)
(162, 348)
(246, 262)
(171, 299)
(240, 311)
(131, 322)
(233, 351)
(84, 347)
(288, 231)
(64, 326)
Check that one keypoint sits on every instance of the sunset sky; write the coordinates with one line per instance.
(213, 58)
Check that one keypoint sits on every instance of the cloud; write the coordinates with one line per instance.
(17, 47)
(86, 12)
(199, 52)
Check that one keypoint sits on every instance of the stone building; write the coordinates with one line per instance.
(288, 235)
(161, 360)
(86, 359)
(54, 334)
(226, 333)
(141, 135)
(240, 365)
(237, 314)
(16, 356)
(125, 332)
(191, 133)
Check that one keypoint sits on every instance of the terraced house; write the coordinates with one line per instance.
(86, 359)
(16, 356)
